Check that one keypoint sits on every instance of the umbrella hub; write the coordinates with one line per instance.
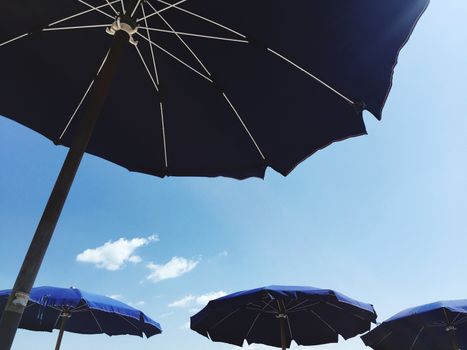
(451, 328)
(281, 316)
(125, 23)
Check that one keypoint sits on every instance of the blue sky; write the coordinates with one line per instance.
(380, 218)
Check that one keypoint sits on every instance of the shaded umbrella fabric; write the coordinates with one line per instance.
(90, 313)
(313, 316)
(436, 326)
(253, 83)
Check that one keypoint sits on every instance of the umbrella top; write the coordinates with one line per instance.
(291, 292)
(455, 306)
(74, 301)
(312, 316)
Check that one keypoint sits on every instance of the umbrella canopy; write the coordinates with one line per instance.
(276, 315)
(86, 313)
(212, 88)
(437, 326)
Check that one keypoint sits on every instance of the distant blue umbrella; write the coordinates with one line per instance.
(74, 310)
(437, 326)
(276, 315)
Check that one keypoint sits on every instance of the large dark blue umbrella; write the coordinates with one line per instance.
(77, 311)
(437, 326)
(276, 315)
(213, 88)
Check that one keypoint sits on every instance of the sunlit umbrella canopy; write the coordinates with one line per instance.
(278, 315)
(437, 326)
(77, 311)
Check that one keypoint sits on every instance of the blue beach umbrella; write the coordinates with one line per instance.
(437, 326)
(77, 311)
(276, 315)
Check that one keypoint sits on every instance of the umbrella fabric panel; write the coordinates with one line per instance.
(284, 115)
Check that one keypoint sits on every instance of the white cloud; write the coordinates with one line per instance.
(184, 302)
(112, 256)
(223, 253)
(176, 267)
(137, 304)
(116, 297)
(201, 300)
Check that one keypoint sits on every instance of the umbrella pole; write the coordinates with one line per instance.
(19, 296)
(282, 317)
(65, 318)
(283, 340)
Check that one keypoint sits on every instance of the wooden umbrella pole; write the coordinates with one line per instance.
(283, 339)
(19, 296)
(65, 317)
(282, 317)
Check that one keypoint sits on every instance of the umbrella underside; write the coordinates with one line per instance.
(210, 89)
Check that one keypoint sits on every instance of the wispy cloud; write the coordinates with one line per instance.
(118, 297)
(113, 256)
(137, 304)
(176, 267)
(224, 253)
(201, 300)
(184, 302)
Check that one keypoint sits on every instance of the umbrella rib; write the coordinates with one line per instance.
(48, 29)
(96, 8)
(128, 321)
(82, 13)
(416, 338)
(112, 7)
(176, 58)
(455, 318)
(146, 66)
(163, 134)
(82, 99)
(97, 322)
(204, 19)
(135, 8)
(383, 339)
(226, 317)
(290, 327)
(253, 324)
(299, 304)
(244, 125)
(161, 10)
(59, 21)
(197, 35)
(150, 46)
(14, 39)
(349, 312)
(161, 107)
(180, 38)
(123, 6)
(322, 320)
(310, 75)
